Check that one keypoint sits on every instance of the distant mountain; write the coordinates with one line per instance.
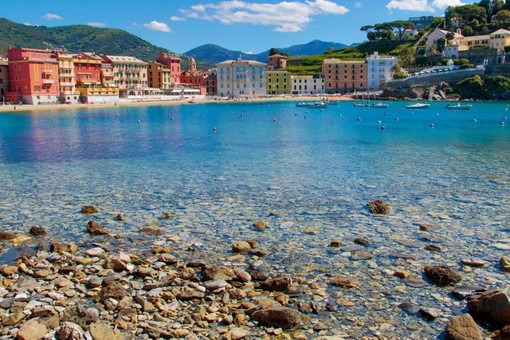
(215, 54)
(76, 38)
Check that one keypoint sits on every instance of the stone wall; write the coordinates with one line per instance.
(435, 78)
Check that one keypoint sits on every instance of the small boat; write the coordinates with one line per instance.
(458, 106)
(315, 105)
(361, 104)
(418, 106)
(379, 106)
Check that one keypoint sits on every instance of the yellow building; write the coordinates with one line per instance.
(278, 82)
(499, 39)
(159, 76)
(342, 76)
(130, 74)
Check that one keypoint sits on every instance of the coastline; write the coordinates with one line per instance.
(156, 102)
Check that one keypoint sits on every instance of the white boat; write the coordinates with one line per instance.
(418, 106)
(379, 106)
(362, 104)
(316, 105)
(458, 106)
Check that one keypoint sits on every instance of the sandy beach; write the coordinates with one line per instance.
(158, 102)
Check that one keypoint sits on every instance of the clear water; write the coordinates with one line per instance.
(315, 169)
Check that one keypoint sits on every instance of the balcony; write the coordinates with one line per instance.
(66, 83)
(66, 67)
(48, 71)
(48, 81)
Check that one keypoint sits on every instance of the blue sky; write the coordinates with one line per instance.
(247, 26)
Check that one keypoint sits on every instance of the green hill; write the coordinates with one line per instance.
(76, 38)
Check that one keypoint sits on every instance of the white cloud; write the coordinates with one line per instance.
(157, 26)
(443, 4)
(175, 18)
(51, 16)
(358, 4)
(96, 24)
(422, 5)
(285, 16)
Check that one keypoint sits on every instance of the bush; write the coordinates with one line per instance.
(400, 75)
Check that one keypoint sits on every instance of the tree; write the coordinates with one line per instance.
(407, 56)
(470, 88)
(274, 51)
(503, 16)
(400, 26)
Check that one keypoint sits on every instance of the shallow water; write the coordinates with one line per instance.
(315, 168)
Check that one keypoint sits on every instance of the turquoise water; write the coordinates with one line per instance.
(315, 169)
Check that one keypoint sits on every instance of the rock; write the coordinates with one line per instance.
(402, 273)
(502, 334)
(70, 331)
(335, 243)
(6, 236)
(167, 215)
(114, 290)
(215, 284)
(379, 207)
(119, 217)
(344, 282)
(430, 313)
(242, 275)
(504, 261)
(218, 273)
(361, 254)
(241, 247)
(236, 334)
(21, 239)
(260, 225)
(13, 319)
(279, 284)
(102, 331)
(190, 294)
(442, 275)
(278, 317)
(310, 231)
(151, 230)
(462, 327)
(409, 307)
(9, 270)
(258, 252)
(463, 292)
(93, 252)
(89, 209)
(94, 228)
(493, 305)
(475, 262)
(432, 247)
(361, 241)
(38, 231)
(428, 227)
(32, 330)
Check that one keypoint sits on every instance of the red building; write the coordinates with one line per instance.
(174, 64)
(87, 68)
(33, 76)
(194, 78)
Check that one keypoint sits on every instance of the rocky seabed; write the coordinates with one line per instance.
(161, 281)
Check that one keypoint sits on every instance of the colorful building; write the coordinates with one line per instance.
(211, 85)
(4, 78)
(278, 82)
(344, 76)
(380, 69)
(241, 78)
(499, 39)
(129, 74)
(193, 78)
(174, 64)
(159, 76)
(88, 68)
(307, 85)
(33, 76)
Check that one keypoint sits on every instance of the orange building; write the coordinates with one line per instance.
(33, 76)
(87, 68)
(159, 76)
(173, 63)
(342, 76)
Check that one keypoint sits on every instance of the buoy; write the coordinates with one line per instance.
(138, 121)
(214, 129)
(432, 125)
(382, 128)
(379, 122)
(396, 118)
(274, 119)
(359, 119)
(475, 120)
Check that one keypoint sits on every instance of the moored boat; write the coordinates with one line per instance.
(458, 106)
(418, 106)
(315, 105)
(379, 105)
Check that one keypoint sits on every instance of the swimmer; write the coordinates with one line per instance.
(383, 128)
(432, 125)
(214, 129)
(359, 119)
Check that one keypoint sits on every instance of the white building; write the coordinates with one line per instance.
(241, 78)
(380, 69)
(307, 85)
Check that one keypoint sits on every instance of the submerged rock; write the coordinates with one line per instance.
(282, 317)
(493, 305)
(379, 207)
(442, 275)
(89, 209)
(94, 228)
(260, 225)
(279, 284)
(344, 282)
(38, 231)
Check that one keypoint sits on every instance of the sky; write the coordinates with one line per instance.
(250, 26)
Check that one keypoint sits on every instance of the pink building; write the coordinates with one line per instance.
(33, 76)
(277, 61)
(174, 64)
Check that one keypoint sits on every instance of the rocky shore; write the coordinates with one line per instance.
(93, 291)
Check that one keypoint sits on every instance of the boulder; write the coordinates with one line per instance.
(89, 209)
(361, 241)
(279, 284)
(379, 207)
(504, 261)
(281, 317)
(101, 331)
(218, 273)
(241, 247)
(462, 327)
(493, 305)
(260, 225)
(94, 228)
(442, 275)
(344, 282)
(38, 231)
